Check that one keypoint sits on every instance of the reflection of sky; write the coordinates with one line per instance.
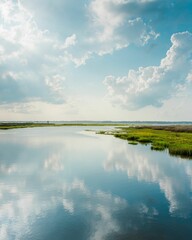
(53, 186)
(173, 175)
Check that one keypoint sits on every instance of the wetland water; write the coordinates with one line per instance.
(65, 183)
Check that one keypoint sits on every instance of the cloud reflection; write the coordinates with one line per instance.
(173, 175)
(47, 183)
(54, 162)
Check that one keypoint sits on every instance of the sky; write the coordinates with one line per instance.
(114, 60)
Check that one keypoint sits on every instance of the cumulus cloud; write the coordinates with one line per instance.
(69, 41)
(32, 61)
(115, 27)
(154, 84)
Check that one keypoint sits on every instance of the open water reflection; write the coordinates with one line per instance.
(62, 183)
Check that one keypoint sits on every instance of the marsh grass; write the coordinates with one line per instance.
(176, 139)
(6, 126)
(133, 142)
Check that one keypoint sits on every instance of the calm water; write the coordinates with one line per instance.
(65, 183)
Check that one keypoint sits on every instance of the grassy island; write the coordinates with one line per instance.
(177, 139)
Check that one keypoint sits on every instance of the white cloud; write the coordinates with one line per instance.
(115, 27)
(32, 60)
(154, 84)
(80, 60)
(70, 41)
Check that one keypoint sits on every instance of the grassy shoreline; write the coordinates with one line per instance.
(7, 126)
(176, 139)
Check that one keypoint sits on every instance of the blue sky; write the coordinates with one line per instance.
(95, 60)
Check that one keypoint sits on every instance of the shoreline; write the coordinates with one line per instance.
(177, 139)
(7, 126)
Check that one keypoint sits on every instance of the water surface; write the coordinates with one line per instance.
(66, 183)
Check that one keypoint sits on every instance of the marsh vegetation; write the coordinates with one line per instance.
(177, 139)
(12, 125)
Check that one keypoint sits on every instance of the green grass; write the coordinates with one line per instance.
(133, 142)
(178, 143)
(6, 126)
(177, 139)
